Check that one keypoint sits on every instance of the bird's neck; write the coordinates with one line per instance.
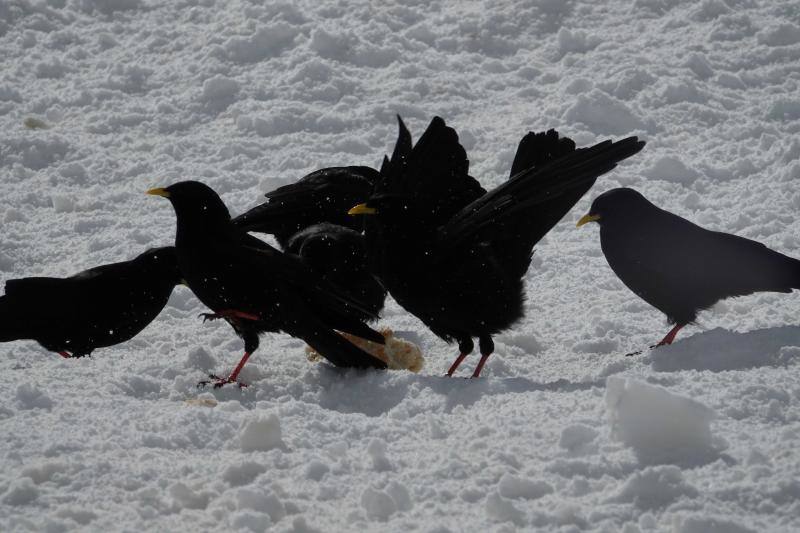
(200, 232)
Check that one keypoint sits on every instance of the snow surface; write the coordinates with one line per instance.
(101, 100)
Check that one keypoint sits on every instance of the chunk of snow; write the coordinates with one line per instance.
(187, 497)
(377, 504)
(502, 510)
(261, 500)
(261, 433)
(377, 452)
(660, 426)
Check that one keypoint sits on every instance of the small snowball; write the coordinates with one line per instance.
(243, 474)
(62, 204)
(377, 504)
(261, 434)
(316, 470)
(399, 493)
(502, 510)
(577, 436)
(219, 91)
(261, 500)
(377, 452)
(188, 498)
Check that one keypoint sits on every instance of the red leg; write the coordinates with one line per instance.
(232, 378)
(229, 313)
(65, 354)
(671, 335)
(455, 364)
(478, 368)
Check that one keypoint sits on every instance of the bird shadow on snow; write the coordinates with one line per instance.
(376, 393)
(719, 350)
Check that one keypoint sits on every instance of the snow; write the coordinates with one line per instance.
(101, 100)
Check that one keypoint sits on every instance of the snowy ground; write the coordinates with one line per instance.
(102, 99)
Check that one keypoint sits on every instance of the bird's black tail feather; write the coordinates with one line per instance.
(338, 350)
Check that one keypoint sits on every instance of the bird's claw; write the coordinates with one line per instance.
(219, 382)
(208, 317)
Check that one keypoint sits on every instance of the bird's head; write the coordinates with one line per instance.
(616, 205)
(195, 203)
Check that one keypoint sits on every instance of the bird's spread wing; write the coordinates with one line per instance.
(538, 196)
(434, 175)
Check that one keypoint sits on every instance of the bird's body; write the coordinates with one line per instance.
(454, 255)
(99, 307)
(255, 287)
(681, 268)
(309, 219)
(338, 255)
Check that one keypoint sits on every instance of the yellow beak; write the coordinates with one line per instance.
(585, 219)
(159, 192)
(362, 209)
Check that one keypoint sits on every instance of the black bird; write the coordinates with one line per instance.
(309, 218)
(454, 256)
(99, 307)
(338, 255)
(256, 288)
(323, 196)
(678, 267)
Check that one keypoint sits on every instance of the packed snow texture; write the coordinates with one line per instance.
(101, 100)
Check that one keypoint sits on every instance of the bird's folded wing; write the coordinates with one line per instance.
(334, 185)
(289, 270)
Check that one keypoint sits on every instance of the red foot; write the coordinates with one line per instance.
(478, 368)
(228, 313)
(219, 382)
(670, 336)
(455, 364)
(65, 354)
(233, 378)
